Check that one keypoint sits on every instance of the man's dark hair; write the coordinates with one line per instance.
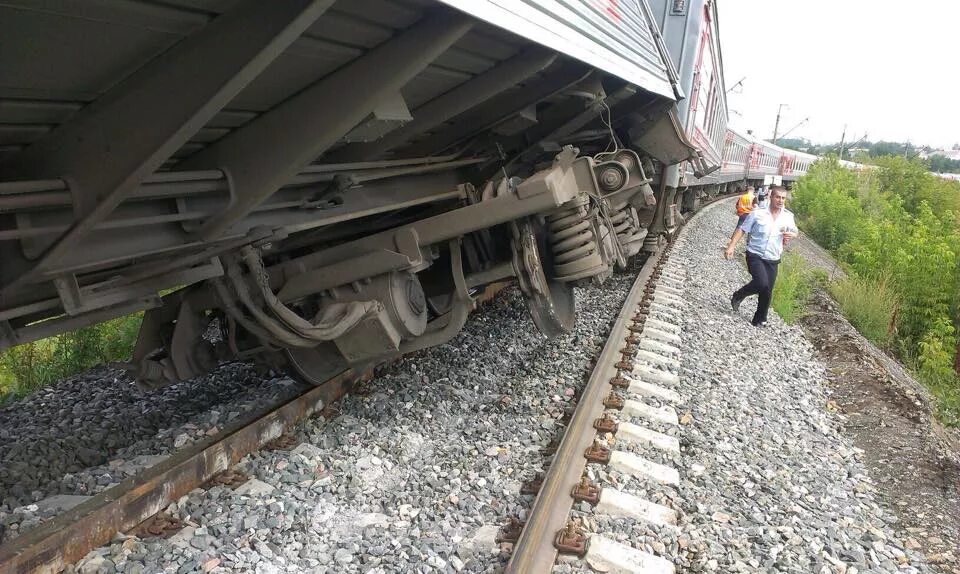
(778, 189)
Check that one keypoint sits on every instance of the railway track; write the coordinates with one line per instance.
(137, 502)
(442, 510)
(625, 408)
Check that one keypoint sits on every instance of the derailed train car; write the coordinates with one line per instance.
(320, 184)
(725, 160)
(750, 160)
(691, 32)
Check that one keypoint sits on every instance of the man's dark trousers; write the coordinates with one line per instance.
(764, 274)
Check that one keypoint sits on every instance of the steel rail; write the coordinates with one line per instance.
(534, 551)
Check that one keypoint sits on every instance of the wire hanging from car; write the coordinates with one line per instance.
(608, 122)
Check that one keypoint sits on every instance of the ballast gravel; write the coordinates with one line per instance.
(82, 435)
(415, 473)
(767, 482)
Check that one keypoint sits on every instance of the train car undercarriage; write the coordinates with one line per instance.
(353, 219)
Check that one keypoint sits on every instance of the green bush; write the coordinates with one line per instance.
(870, 305)
(28, 367)
(896, 229)
(792, 288)
(934, 367)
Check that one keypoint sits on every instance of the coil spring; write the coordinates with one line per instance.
(628, 231)
(622, 224)
(573, 241)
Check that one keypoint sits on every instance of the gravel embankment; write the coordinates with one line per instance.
(414, 475)
(84, 434)
(768, 483)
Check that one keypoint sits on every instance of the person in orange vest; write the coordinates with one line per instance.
(745, 204)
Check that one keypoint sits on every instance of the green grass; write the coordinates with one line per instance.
(870, 305)
(26, 368)
(792, 288)
(946, 392)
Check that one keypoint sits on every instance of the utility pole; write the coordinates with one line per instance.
(776, 126)
(843, 137)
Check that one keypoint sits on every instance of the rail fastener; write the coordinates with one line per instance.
(571, 539)
(597, 453)
(586, 491)
(532, 486)
(614, 401)
(605, 424)
(231, 478)
(159, 525)
(286, 441)
(624, 365)
(510, 531)
(619, 382)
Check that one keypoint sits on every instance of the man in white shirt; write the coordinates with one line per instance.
(770, 230)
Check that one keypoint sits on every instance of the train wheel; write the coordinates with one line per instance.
(551, 303)
(314, 366)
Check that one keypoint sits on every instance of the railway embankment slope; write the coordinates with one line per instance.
(913, 460)
(776, 480)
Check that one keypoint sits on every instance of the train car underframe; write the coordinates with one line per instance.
(407, 287)
(381, 289)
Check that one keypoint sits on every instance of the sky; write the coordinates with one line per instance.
(887, 69)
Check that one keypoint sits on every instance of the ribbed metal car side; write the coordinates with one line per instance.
(691, 34)
(612, 35)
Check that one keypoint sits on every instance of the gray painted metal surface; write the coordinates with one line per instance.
(693, 42)
(140, 141)
(612, 35)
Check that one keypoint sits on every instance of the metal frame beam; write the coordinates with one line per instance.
(453, 103)
(108, 149)
(306, 125)
(569, 125)
(500, 108)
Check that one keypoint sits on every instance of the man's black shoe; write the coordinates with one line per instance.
(759, 324)
(735, 303)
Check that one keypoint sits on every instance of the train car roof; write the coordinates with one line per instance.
(753, 139)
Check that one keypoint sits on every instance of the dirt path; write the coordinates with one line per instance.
(914, 462)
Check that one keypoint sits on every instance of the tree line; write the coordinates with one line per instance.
(866, 150)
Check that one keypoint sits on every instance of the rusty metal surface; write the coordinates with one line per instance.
(71, 535)
(571, 539)
(535, 551)
(586, 491)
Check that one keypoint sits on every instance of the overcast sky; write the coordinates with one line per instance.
(889, 69)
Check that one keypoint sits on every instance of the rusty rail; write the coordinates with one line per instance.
(534, 552)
